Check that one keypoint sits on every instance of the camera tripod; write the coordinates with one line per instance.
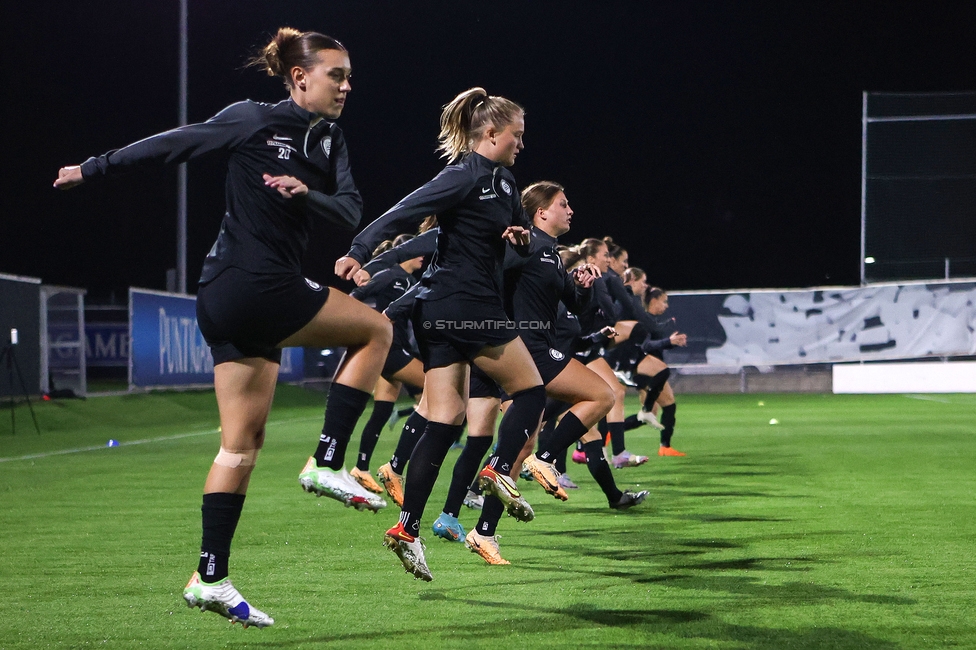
(7, 353)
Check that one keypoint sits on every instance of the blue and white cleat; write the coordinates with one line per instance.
(449, 528)
(222, 598)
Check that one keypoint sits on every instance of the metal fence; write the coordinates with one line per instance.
(918, 186)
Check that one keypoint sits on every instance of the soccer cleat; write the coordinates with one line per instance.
(338, 485)
(668, 451)
(545, 474)
(393, 483)
(474, 500)
(579, 456)
(221, 598)
(503, 487)
(628, 499)
(449, 528)
(365, 480)
(486, 547)
(627, 459)
(410, 550)
(567, 482)
(648, 417)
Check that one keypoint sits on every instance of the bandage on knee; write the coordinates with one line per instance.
(245, 458)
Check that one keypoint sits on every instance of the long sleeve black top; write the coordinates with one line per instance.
(262, 232)
(535, 285)
(384, 288)
(475, 200)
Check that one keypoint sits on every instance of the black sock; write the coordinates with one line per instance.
(570, 429)
(413, 428)
(221, 512)
(490, 514)
(560, 461)
(653, 385)
(465, 469)
(603, 427)
(517, 426)
(667, 420)
(371, 432)
(425, 464)
(554, 408)
(404, 412)
(545, 435)
(342, 410)
(617, 437)
(599, 468)
(631, 422)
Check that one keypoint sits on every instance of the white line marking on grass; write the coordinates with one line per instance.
(135, 442)
(927, 398)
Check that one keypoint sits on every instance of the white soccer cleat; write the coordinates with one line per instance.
(474, 501)
(338, 485)
(222, 598)
(648, 417)
(410, 550)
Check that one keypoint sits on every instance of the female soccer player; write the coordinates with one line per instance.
(401, 364)
(459, 316)
(536, 284)
(288, 167)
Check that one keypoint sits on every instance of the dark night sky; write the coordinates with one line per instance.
(719, 141)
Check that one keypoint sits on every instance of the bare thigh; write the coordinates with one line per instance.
(602, 368)
(510, 365)
(446, 393)
(650, 366)
(589, 394)
(412, 373)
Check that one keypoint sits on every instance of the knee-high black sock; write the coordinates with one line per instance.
(545, 435)
(599, 468)
(554, 408)
(631, 422)
(517, 426)
(342, 410)
(570, 430)
(653, 385)
(603, 427)
(371, 432)
(425, 465)
(221, 512)
(490, 514)
(667, 420)
(617, 444)
(413, 428)
(560, 461)
(465, 469)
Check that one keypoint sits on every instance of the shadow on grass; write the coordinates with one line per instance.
(521, 619)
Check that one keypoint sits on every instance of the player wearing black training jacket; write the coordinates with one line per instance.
(287, 167)
(459, 317)
(535, 286)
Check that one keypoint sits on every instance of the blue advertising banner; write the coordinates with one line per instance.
(106, 345)
(167, 348)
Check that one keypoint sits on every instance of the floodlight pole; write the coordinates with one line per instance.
(181, 171)
(864, 180)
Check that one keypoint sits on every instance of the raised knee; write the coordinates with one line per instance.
(606, 399)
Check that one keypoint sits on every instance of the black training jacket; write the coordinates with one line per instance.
(475, 200)
(382, 289)
(535, 284)
(262, 232)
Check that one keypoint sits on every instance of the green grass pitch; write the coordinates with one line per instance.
(850, 524)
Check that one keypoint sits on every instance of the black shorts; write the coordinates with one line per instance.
(590, 354)
(246, 315)
(397, 358)
(549, 361)
(481, 385)
(624, 358)
(457, 328)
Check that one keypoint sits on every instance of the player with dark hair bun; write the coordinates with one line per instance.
(288, 167)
